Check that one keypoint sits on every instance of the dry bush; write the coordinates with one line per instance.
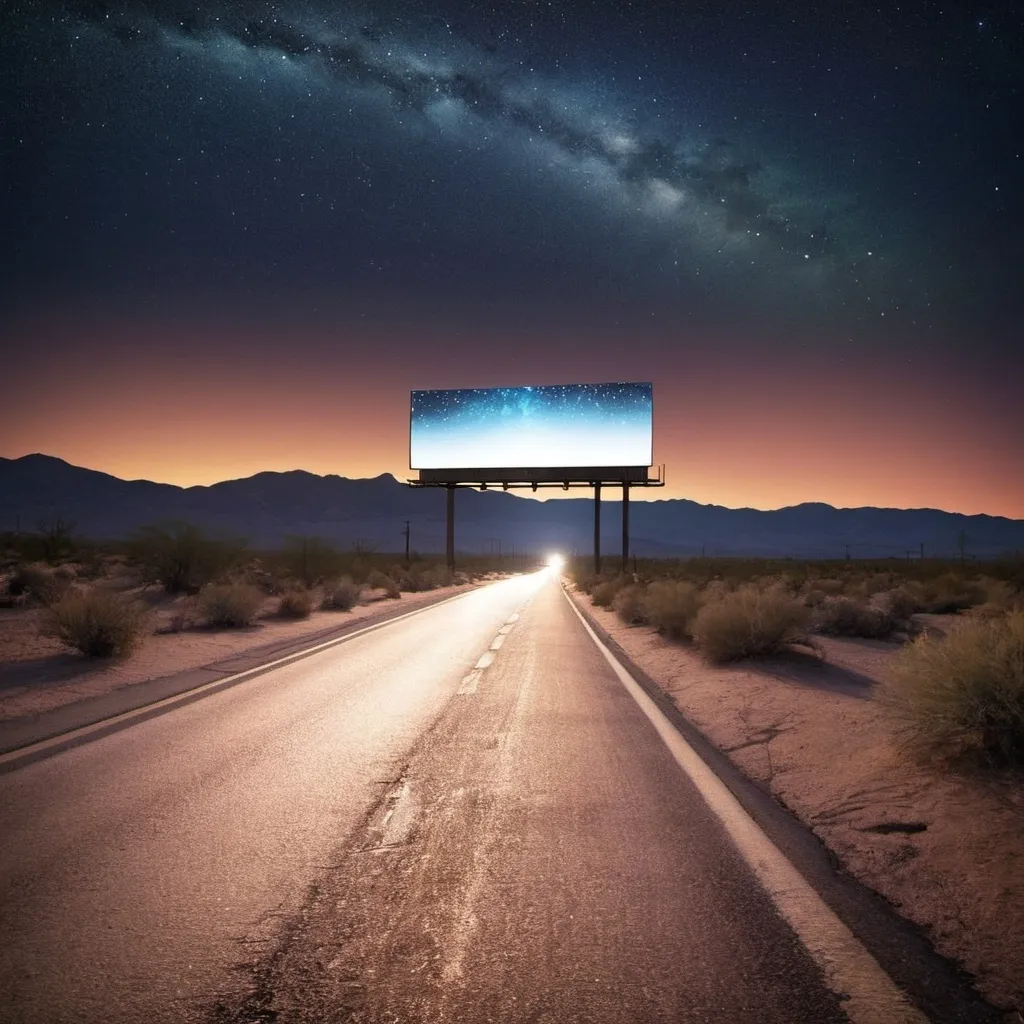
(376, 580)
(97, 623)
(181, 557)
(946, 595)
(961, 698)
(439, 576)
(41, 586)
(900, 603)
(830, 587)
(748, 622)
(295, 604)
(866, 587)
(341, 595)
(603, 594)
(999, 597)
(415, 579)
(843, 616)
(229, 604)
(629, 604)
(672, 606)
(310, 560)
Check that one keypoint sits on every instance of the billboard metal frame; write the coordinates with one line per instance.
(567, 478)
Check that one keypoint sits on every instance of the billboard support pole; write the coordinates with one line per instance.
(450, 527)
(597, 528)
(625, 524)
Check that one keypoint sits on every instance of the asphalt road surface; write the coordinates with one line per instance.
(463, 816)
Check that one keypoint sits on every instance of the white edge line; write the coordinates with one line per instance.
(63, 739)
(869, 995)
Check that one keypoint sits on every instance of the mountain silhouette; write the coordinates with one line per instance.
(268, 507)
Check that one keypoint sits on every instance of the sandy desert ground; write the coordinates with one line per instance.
(946, 850)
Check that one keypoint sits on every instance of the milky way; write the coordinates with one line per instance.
(703, 194)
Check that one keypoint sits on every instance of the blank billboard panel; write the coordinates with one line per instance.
(549, 426)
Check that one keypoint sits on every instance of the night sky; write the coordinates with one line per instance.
(236, 235)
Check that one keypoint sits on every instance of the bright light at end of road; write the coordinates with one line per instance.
(555, 562)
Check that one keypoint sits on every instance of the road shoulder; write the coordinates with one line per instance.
(824, 756)
(18, 733)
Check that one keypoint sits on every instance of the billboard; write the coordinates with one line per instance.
(581, 425)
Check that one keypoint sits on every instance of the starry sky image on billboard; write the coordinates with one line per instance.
(550, 426)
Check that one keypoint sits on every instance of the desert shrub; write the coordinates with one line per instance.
(587, 582)
(603, 594)
(377, 580)
(999, 597)
(39, 585)
(672, 606)
(55, 539)
(830, 587)
(900, 603)
(341, 595)
(91, 563)
(629, 604)
(310, 560)
(843, 616)
(295, 604)
(229, 604)
(961, 697)
(407, 580)
(441, 576)
(97, 623)
(947, 594)
(866, 588)
(181, 557)
(748, 622)
(26, 581)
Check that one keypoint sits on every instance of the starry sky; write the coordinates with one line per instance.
(569, 426)
(236, 235)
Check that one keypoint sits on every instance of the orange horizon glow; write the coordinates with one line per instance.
(189, 408)
(708, 484)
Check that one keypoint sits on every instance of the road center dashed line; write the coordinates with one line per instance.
(469, 684)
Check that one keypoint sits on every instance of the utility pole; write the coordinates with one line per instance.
(406, 532)
(450, 528)
(625, 525)
(921, 556)
(847, 552)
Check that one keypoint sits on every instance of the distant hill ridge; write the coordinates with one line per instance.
(269, 506)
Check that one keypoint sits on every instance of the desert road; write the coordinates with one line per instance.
(465, 816)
